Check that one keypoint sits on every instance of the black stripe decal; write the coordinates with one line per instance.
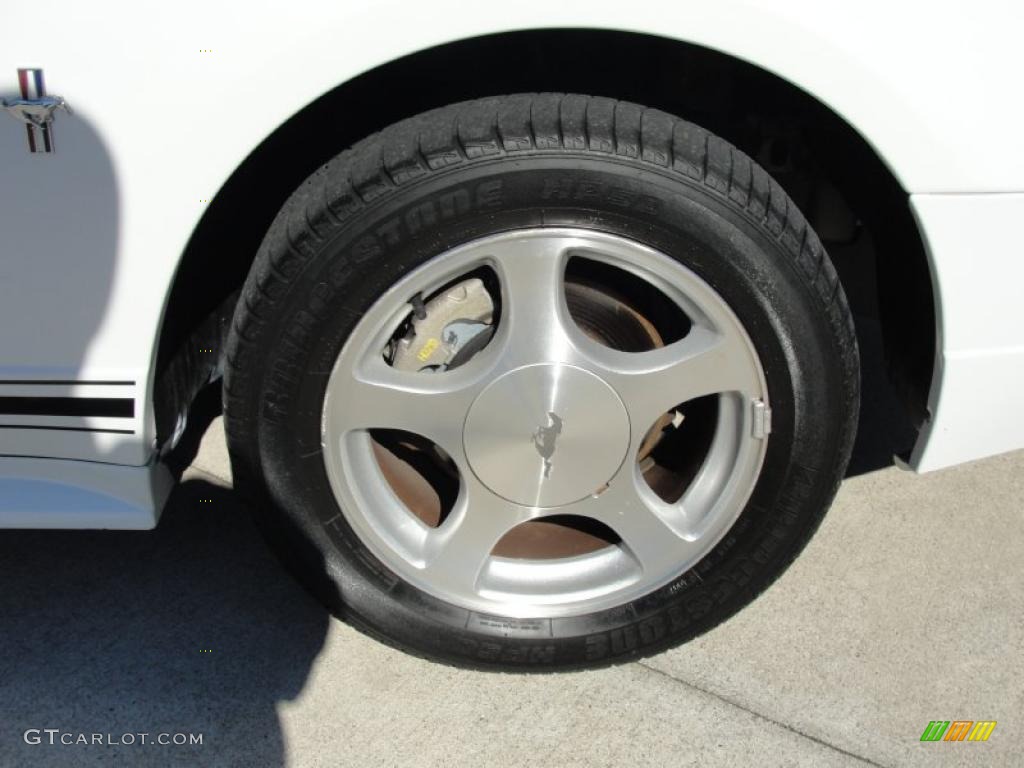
(115, 407)
(69, 429)
(69, 382)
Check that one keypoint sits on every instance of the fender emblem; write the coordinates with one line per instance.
(35, 109)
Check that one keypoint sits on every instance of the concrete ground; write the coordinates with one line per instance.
(908, 606)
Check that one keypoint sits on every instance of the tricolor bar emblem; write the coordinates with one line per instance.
(958, 730)
(40, 139)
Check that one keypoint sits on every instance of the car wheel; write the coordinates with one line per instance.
(540, 381)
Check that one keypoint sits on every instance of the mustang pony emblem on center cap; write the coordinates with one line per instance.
(544, 440)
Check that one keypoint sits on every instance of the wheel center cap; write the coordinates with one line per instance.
(546, 435)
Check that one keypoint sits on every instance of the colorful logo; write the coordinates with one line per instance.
(958, 730)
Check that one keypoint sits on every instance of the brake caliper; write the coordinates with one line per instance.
(448, 329)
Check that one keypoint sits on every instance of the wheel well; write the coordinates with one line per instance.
(844, 188)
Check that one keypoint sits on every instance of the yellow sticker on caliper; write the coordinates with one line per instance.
(428, 349)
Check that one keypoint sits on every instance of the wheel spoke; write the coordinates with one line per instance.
(704, 362)
(427, 404)
(456, 552)
(655, 533)
(535, 317)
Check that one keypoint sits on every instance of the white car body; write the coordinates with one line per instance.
(169, 100)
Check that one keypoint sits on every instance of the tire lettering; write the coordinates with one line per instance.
(454, 203)
(488, 194)
(596, 647)
(589, 191)
(652, 629)
(623, 639)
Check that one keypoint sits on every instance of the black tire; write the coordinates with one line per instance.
(371, 214)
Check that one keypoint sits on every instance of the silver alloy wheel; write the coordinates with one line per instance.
(545, 421)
